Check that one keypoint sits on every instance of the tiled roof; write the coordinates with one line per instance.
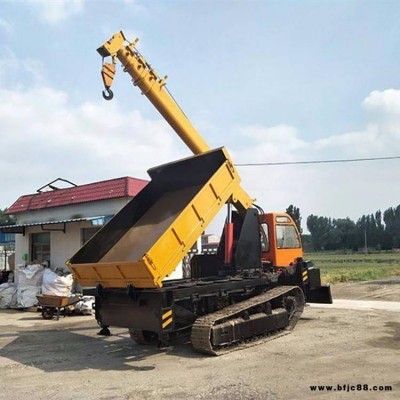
(111, 189)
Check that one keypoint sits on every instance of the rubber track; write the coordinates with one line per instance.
(201, 329)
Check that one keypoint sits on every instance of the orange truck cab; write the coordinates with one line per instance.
(280, 239)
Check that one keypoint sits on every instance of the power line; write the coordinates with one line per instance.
(347, 160)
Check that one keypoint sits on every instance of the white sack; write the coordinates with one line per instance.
(56, 285)
(14, 300)
(16, 273)
(7, 291)
(31, 275)
(85, 306)
(29, 285)
(26, 296)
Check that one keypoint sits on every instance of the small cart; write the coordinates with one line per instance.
(55, 304)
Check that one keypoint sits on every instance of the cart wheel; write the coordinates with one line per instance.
(47, 312)
(143, 337)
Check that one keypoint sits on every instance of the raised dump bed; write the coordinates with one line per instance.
(145, 241)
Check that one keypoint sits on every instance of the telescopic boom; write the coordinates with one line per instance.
(153, 87)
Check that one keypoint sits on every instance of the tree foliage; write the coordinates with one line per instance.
(378, 231)
(294, 212)
(6, 219)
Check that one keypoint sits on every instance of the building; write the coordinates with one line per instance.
(52, 224)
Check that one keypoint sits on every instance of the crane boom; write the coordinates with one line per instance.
(153, 87)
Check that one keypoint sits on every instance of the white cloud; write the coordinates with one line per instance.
(55, 11)
(271, 138)
(15, 72)
(50, 138)
(384, 104)
(336, 190)
(380, 136)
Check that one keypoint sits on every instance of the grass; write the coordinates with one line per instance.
(339, 267)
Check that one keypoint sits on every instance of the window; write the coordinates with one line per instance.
(282, 219)
(40, 247)
(87, 233)
(264, 237)
(286, 237)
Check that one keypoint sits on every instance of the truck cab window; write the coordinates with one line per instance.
(264, 237)
(286, 237)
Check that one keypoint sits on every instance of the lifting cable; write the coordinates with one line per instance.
(348, 160)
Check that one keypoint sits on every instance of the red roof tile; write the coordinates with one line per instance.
(111, 189)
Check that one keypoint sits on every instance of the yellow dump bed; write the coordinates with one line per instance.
(145, 241)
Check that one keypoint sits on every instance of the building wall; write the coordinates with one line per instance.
(62, 245)
(22, 244)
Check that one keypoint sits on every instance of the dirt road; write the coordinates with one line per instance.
(387, 289)
(67, 360)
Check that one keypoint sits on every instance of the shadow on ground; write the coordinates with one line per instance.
(74, 349)
(391, 340)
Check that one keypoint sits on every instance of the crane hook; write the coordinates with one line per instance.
(108, 94)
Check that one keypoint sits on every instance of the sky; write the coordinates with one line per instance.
(273, 81)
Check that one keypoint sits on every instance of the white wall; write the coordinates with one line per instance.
(62, 245)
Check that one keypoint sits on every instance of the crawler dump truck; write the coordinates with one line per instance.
(253, 289)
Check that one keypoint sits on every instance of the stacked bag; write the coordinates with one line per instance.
(56, 285)
(8, 295)
(31, 280)
(34, 279)
(28, 283)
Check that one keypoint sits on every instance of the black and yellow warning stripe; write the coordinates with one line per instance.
(166, 319)
(305, 275)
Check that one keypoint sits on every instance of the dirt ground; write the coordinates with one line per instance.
(66, 359)
(387, 289)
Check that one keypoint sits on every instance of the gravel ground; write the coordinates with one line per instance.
(66, 360)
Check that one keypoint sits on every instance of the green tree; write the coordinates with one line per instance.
(294, 212)
(345, 230)
(6, 219)
(382, 231)
(391, 216)
(320, 229)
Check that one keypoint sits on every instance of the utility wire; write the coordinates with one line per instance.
(348, 160)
